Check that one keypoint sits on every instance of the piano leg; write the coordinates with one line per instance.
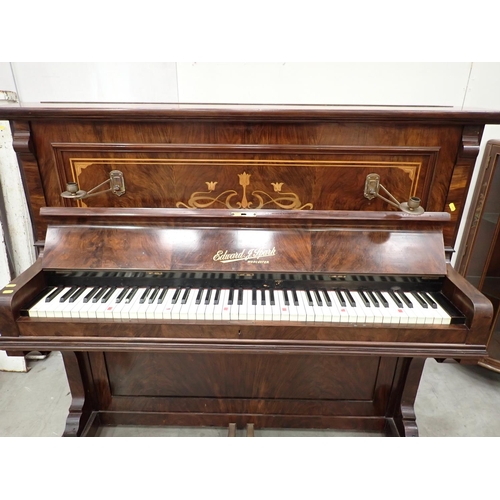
(81, 416)
(400, 418)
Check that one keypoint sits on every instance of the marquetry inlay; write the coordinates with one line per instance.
(259, 199)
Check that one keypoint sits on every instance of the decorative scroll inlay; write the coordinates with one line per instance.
(228, 199)
(260, 199)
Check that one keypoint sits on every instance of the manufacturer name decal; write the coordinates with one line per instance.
(253, 256)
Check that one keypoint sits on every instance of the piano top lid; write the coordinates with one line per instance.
(246, 112)
(374, 243)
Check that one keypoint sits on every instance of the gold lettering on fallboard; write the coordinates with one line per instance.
(253, 255)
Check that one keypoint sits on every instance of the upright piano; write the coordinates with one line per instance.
(224, 266)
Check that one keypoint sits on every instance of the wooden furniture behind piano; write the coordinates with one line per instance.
(288, 185)
(479, 259)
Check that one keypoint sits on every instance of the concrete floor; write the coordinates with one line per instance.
(453, 400)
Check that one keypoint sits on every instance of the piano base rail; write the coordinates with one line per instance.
(97, 420)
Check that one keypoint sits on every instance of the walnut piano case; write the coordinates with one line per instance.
(262, 202)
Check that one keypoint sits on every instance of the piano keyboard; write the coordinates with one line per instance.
(240, 304)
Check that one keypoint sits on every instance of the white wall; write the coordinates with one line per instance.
(96, 82)
(325, 83)
(458, 84)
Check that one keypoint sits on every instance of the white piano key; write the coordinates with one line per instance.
(366, 312)
(243, 307)
(176, 309)
(56, 307)
(441, 317)
(83, 310)
(106, 308)
(397, 313)
(144, 307)
(423, 314)
(164, 310)
(72, 311)
(234, 307)
(268, 310)
(226, 307)
(210, 307)
(445, 317)
(251, 308)
(293, 309)
(308, 309)
(130, 309)
(343, 313)
(117, 310)
(189, 310)
(219, 308)
(284, 309)
(301, 311)
(331, 313)
(275, 308)
(318, 310)
(39, 309)
(327, 311)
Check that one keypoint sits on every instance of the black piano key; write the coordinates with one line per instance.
(99, 294)
(131, 294)
(199, 295)
(144, 295)
(262, 297)
(271, 297)
(429, 299)
(176, 295)
(154, 294)
(420, 300)
(230, 297)
(317, 296)
(54, 294)
(395, 298)
(254, 296)
(90, 294)
(364, 298)
(64, 297)
(208, 296)
(240, 296)
(286, 297)
(405, 298)
(350, 298)
(382, 298)
(162, 295)
(373, 299)
(108, 294)
(77, 294)
(309, 298)
(185, 295)
(341, 298)
(122, 295)
(328, 301)
(217, 296)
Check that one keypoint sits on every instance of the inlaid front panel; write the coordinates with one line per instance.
(245, 178)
